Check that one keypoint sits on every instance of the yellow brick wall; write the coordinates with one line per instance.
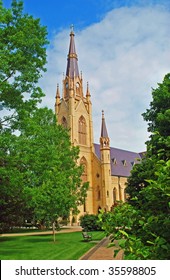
(104, 189)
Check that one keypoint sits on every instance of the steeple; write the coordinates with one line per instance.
(72, 60)
(57, 92)
(105, 164)
(104, 133)
(57, 98)
(88, 91)
(104, 138)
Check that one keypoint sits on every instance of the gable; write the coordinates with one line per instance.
(80, 106)
(63, 107)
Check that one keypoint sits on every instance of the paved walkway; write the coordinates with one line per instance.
(63, 230)
(102, 252)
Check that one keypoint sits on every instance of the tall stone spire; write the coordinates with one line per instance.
(72, 70)
(104, 133)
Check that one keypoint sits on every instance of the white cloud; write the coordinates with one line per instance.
(122, 57)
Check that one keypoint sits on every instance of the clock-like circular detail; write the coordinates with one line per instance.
(77, 85)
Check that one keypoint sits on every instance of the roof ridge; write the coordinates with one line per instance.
(120, 149)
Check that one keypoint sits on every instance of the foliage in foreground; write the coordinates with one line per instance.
(143, 233)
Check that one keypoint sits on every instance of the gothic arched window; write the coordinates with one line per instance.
(82, 130)
(64, 122)
(114, 195)
(99, 208)
(120, 192)
(83, 162)
(98, 193)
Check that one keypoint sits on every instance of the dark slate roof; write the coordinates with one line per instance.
(72, 62)
(121, 161)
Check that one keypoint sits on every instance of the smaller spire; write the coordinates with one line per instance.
(57, 100)
(88, 92)
(57, 92)
(103, 128)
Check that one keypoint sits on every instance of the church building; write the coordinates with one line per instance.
(105, 168)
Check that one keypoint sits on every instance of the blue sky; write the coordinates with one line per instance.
(123, 51)
(59, 14)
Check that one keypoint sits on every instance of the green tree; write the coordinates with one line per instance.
(39, 175)
(143, 232)
(158, 146)
(55, 187)
(142, 225)
(23, 56)
(22, 59)
(158, 115)
(158, 118)
(90, 222)
(138, 180)
(42, 165)
(12, 200)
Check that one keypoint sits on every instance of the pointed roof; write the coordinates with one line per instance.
(117, 158)
(57, 92)
(103, 128)
(88, 91)
(72, 60)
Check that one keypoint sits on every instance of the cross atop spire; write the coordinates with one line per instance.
(72, 70)
(72, 28)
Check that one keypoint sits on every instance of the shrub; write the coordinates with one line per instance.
(90, 222)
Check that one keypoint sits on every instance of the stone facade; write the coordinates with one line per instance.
(105, 168)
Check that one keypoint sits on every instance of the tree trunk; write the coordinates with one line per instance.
(54, 232)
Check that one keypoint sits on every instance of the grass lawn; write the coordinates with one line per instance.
(68, 246)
